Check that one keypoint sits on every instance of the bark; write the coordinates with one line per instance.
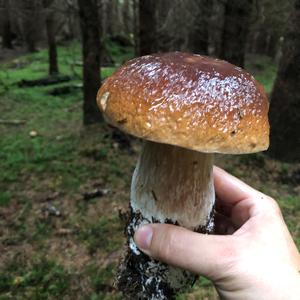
(273, 44)
(126, 17)
(285, 100)
(148, 26)
(216, 27)
(113, 18)
(260, 43)
(31, 16)
(199, 37)
(165, 33)
(235, 31)
(136, 27)
(31, 44)
(89, 23)
(52, 49)
(6, 34)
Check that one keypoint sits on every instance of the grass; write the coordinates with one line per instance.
(105, 234)
(5, 198)
(63, 158)
(42, 279)
(102, 281)
(75, 255)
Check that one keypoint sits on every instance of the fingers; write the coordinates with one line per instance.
(223, 225)
(199, 253)
(223, 208)
(231, 190)
(242, 212)
(239, 201)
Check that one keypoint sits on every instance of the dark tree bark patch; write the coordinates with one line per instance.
(285, 99)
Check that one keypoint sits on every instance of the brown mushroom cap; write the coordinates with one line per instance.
(188, 100)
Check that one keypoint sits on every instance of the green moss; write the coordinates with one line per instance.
(5, 198)
(290, 206)
(43, 279)
(105, 296)
(101, 278)
(118, 53)
(45, 114)
(202, 289)
(105, 235)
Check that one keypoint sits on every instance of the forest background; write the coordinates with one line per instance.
(65, 174)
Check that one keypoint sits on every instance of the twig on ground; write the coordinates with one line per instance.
(95, 193)
(12, 122)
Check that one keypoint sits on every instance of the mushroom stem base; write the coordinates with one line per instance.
(141, 277)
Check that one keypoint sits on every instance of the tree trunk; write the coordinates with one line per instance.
(216, 27)
(272, 46)
(31, 12)
(7, 34)
(235, 31)
(198, 37)
(89, 23)
(31, 44)
(148, 26)
(52, 51)
(113, 18)
(261, 42)
(285, 100)
(136, 27)
(164, 33)
(126, 17)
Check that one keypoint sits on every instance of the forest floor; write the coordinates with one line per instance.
(56, 240)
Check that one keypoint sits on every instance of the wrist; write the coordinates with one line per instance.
(276, 285)
(280, 285)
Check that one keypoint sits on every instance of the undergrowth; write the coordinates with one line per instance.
(55, 243)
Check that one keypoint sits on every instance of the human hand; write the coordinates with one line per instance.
(256, 260)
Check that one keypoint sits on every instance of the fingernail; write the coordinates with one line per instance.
(143, 237)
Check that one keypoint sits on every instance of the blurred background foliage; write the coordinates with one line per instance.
(65, 174)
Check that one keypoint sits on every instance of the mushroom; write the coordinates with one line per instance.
(186, 107)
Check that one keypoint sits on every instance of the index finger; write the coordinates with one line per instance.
(229, 189)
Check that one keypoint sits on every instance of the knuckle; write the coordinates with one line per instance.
(271, 206)
(274, 206)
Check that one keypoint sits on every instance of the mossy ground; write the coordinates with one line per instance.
(74, 255)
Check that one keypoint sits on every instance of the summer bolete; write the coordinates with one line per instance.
(186, 107)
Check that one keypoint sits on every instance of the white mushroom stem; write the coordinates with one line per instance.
(169, 185)
(173, 184)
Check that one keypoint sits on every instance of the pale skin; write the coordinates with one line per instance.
(255, 257)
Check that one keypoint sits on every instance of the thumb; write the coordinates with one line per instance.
(208, 255)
